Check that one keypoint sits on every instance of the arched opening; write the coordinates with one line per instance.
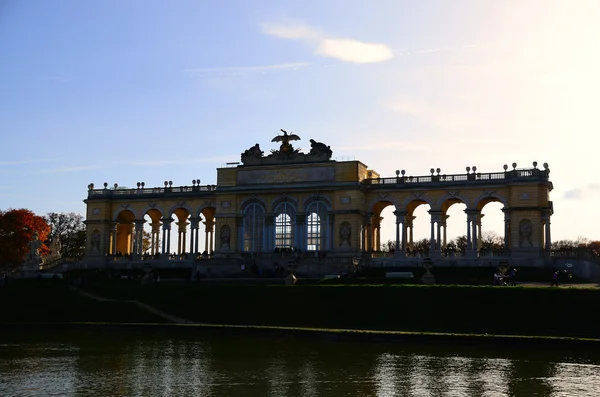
(387, 228)
(180, 230)
(492, 238)
(151, 238)
(253, 228)
(285, 223)
(317, 233)
(123, 237)
(454, 219)
(205, 241)
(418, 224)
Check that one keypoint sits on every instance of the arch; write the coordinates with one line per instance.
(251, 200)
(151, 207)
(155, 214)
(177, 206)
(206, 209)
(421, 198)
(123, 208)
(452, 198)
(487, 197)
(122, 215)
(317, 197)
(253, 228)
(284, 199)
(385, 198)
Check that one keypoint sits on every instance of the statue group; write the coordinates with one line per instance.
(286, 152)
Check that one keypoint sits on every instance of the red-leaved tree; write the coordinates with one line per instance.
(17, 229)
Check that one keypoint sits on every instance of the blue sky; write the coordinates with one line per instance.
(130, 91)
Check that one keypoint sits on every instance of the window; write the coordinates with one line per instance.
(315, 226)
(284, 236)
(283, 231)
(254, 220)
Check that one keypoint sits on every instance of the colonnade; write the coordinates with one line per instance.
(128, 237)
(404, 241)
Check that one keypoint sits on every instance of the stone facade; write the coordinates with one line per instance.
(312, 204)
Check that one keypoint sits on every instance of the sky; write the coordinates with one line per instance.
(144, 90)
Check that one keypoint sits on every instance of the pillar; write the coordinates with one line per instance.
(506, 228)
(166, 244)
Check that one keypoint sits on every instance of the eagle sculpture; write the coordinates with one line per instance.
(285, 141)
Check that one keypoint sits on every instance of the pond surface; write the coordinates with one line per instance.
(142, 362)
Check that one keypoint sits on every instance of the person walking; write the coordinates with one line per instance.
(512, 277)
(554, 279)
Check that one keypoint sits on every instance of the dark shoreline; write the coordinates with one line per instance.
(375, 336)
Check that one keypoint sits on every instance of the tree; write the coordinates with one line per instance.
(67, 234)
(458, 244)
(388, 246)
(491, 241)
(17, 229)
(422, 245)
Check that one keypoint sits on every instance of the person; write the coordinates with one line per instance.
(512, 277)
(554, 279)
(497, 277)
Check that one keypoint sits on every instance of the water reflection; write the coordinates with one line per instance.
(93, 363)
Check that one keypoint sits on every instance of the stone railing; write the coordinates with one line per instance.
(112, 192)
(532, 174)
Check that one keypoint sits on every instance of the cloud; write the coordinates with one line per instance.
(27, 161)
(348, 50)
(582, 193)
(158, 163)
(68, 169)
(292, 30)
(574, 194)
(438, 116)
(243, 69)
(345, 49)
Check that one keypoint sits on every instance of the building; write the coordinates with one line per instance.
(306, 209)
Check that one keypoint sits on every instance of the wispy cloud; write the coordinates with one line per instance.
(158, 163)
(68, 169)
(389, 146)
(342, 48)
(28, 161)
(445, 117)
(582, 193)
(245, 69)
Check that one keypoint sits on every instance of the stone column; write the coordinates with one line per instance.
(377, 233)
(139, 236)
(436, 227)
(409, 224)
(546, 223)
(471, 233)
(363, 234)
(300, 235)
(269, 233)
(369, 234)
(194, 228)
(113, 242)
(506, 228)
(166, 243)
(444, 242)
(182, 234)
(155, 237)
(400, 250)
(479, 217)
(130, 238)
(210, 230)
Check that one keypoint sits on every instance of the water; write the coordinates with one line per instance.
(145, 363)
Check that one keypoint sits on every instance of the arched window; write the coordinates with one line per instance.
(315, 226)
(254, 220)
(284, 216)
